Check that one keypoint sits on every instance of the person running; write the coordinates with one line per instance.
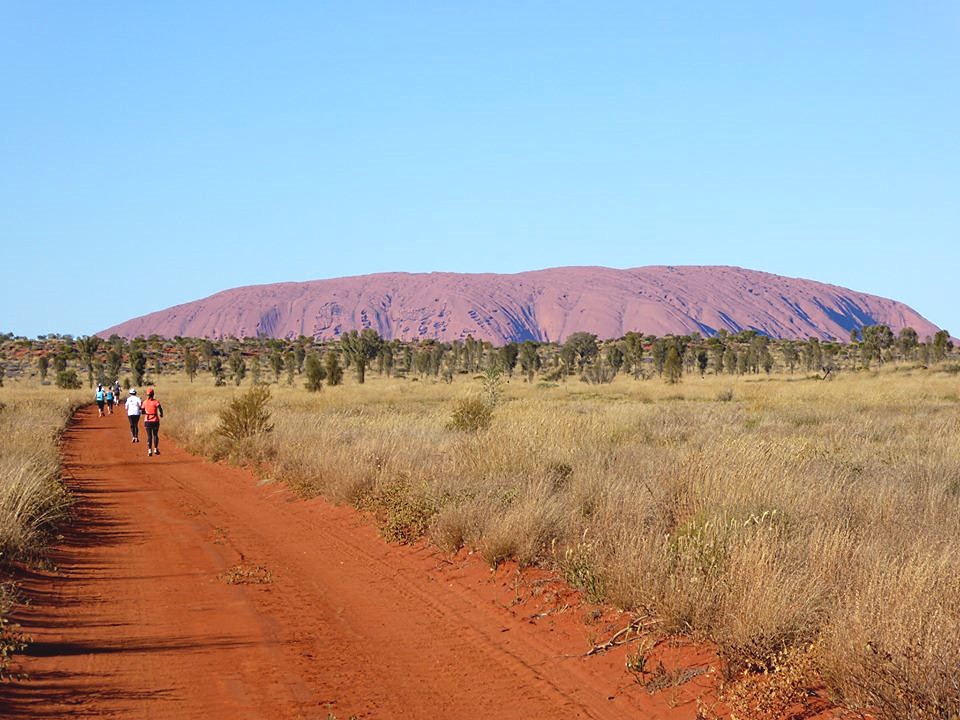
(101, 398)
(133, 415)
(109, 401)
(152, 412)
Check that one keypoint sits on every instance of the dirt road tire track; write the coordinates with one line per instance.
(139, 620)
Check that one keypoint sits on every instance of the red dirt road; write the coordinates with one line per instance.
(140, 620)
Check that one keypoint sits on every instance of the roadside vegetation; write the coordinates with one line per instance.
(33, 500)
(798, 503)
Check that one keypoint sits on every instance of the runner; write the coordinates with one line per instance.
(152, 412)
(100, 398)
(109, 401)
(133, 415)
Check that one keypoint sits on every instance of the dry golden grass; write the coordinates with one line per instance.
(33, 500)
(784, 517)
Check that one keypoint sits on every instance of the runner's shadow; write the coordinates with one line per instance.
(58, 695)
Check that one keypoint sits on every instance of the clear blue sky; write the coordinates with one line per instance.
(156, 153)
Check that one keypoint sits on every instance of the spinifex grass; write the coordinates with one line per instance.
(33, 500)
(782, 517)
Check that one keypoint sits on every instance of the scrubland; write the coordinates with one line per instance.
(809, 527)
(33, 500)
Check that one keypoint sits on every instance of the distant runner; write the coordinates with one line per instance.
(101, 398)
(133, 415)
(109, 401)
(152, 412)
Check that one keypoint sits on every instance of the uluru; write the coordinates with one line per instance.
(541, 305)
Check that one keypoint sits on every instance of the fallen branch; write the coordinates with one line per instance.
(622, 636)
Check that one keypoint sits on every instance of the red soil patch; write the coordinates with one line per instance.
(185, 590)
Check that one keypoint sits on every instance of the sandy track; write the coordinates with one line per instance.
(139, 620)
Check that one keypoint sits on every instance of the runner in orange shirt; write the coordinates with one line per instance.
(152, 412)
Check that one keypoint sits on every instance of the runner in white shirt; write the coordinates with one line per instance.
(133, 415)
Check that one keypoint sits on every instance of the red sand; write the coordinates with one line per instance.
(139, 620)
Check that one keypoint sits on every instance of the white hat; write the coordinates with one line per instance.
(133, 391)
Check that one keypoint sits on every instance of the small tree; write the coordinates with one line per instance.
(216, 369)
(43, 366)
(88, 346)
(114, 363)
(331, 362)
(492, 386)
(314, 372)
(907, 342)
(360, 348)
(658, 351)
(581, 348)
(529, 359)
(238, 367)
(290, 364)
(138, 364)
(508, 357)
(790, 355)
(633, 353)
(702, 361)
(190, 364)
(68, 380)
(941, 345)
(276, 364)
(672, 365)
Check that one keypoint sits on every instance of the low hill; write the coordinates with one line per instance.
(544, 305)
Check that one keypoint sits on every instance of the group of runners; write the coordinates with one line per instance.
(107, 397)
(150, 409)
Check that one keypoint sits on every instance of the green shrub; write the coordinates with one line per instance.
(68, 380)
(404, 515)
(246, 416)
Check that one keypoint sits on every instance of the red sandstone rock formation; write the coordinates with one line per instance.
(546, 305)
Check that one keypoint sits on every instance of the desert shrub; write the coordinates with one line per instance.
(243, 421)
(68, 380)
(950, 368)
(404, 515)
(455, 525)
(471, 415)
(725, 395)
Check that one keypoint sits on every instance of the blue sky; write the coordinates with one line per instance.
(153, 154)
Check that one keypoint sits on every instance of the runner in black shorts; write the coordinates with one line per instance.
(133, 415)
(101, 397)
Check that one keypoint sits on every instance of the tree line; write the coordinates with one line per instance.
(68, 361)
